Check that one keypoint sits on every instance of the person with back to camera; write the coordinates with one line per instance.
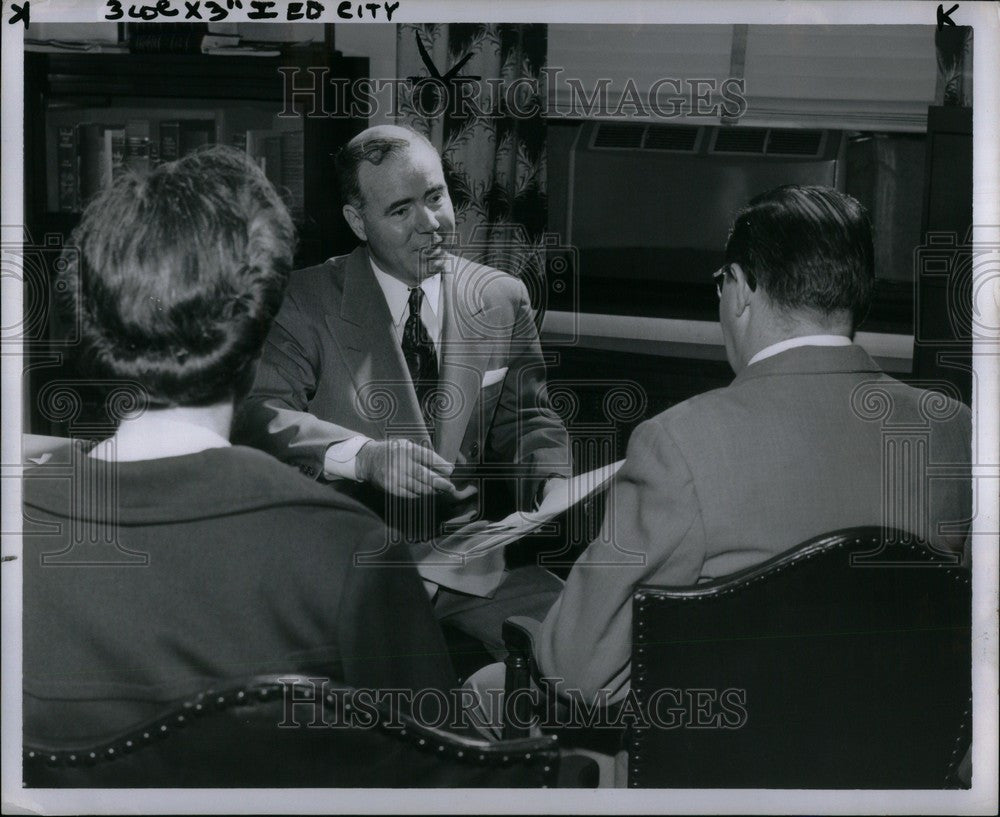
(731, 478)
(249, 567)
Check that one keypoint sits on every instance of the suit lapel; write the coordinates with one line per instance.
(464, 355)
(362, 331)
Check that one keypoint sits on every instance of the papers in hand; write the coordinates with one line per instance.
(480, 537)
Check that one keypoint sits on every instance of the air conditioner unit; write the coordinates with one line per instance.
(650, 204)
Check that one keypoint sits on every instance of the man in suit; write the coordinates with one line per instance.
(793, 448)
(389, 367)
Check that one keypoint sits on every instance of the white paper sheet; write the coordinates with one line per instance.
(478, 538)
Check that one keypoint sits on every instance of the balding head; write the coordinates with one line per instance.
(372, 145)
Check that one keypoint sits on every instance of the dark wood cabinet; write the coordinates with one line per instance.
(80, 87)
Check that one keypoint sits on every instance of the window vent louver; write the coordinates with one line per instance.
(671, 138)
(619, 136)
(794, 142)
(739, 140)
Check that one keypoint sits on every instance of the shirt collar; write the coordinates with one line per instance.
(792, 343)
(154, 436)
(397, 294)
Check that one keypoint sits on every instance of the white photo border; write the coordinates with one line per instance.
(980, 799)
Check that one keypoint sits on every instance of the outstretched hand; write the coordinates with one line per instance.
(403, 468)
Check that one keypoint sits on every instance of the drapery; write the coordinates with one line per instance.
(493, 150)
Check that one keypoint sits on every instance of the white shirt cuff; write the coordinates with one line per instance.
(341, 459)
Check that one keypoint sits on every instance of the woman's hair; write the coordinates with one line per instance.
(176, 276)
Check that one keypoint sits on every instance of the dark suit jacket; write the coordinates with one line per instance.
(148, 581)
(800, 444)
(332, 368)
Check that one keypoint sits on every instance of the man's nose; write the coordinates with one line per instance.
(427, 220)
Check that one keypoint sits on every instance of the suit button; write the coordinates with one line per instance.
(474, 450)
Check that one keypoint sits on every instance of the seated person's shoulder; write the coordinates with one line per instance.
(255, 474)
(686, 427)
(901, 402)
(491, 284)
(308, 514)
(702, 410)
(306, 283)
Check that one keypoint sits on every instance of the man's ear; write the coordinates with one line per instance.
(354, 220)
(741, 288)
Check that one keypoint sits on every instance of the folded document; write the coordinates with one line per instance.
(477, 538)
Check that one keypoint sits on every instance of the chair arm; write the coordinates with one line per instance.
(518, 638)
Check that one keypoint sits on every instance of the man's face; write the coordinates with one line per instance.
(405, 214)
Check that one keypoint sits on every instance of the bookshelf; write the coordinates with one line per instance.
(88, 113)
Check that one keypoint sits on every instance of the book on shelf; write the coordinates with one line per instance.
(114, 153)
(90, 155)
(178, 137)
(170, 141)
(281, 155)
(239, 141)
(101, 153)
(67, 158)
(137, 157)
(293, 171)
(194, 133)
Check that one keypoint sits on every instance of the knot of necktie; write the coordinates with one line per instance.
(416, 300)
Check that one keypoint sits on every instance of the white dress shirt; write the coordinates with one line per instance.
(792, 343)
(341, 459)
(397, 298)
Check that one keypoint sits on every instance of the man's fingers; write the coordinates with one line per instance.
(430, 481)
(428, 458)
(443, 467)
(443, 486)
(416, 470)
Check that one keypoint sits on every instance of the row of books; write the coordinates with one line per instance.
(90, 155)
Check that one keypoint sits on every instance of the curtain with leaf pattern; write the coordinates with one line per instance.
(494, 159)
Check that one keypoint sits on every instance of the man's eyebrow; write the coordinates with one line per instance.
(397, 203)
(400, 202)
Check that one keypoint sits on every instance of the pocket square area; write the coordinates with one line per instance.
(493, 376)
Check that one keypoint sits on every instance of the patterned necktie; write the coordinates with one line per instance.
(418, 350)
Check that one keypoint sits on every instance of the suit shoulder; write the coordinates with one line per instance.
(494, 284)
(907, 403)
(264, 475)
(695, 410)
(936, 401)
(307, 283)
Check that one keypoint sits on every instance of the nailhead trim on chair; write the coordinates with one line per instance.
(248, 696)
(643, 598)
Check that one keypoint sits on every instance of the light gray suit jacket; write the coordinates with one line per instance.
(793, 448)
(332, 368)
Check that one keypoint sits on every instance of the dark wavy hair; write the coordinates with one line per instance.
(808, 248)
(177, 275)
